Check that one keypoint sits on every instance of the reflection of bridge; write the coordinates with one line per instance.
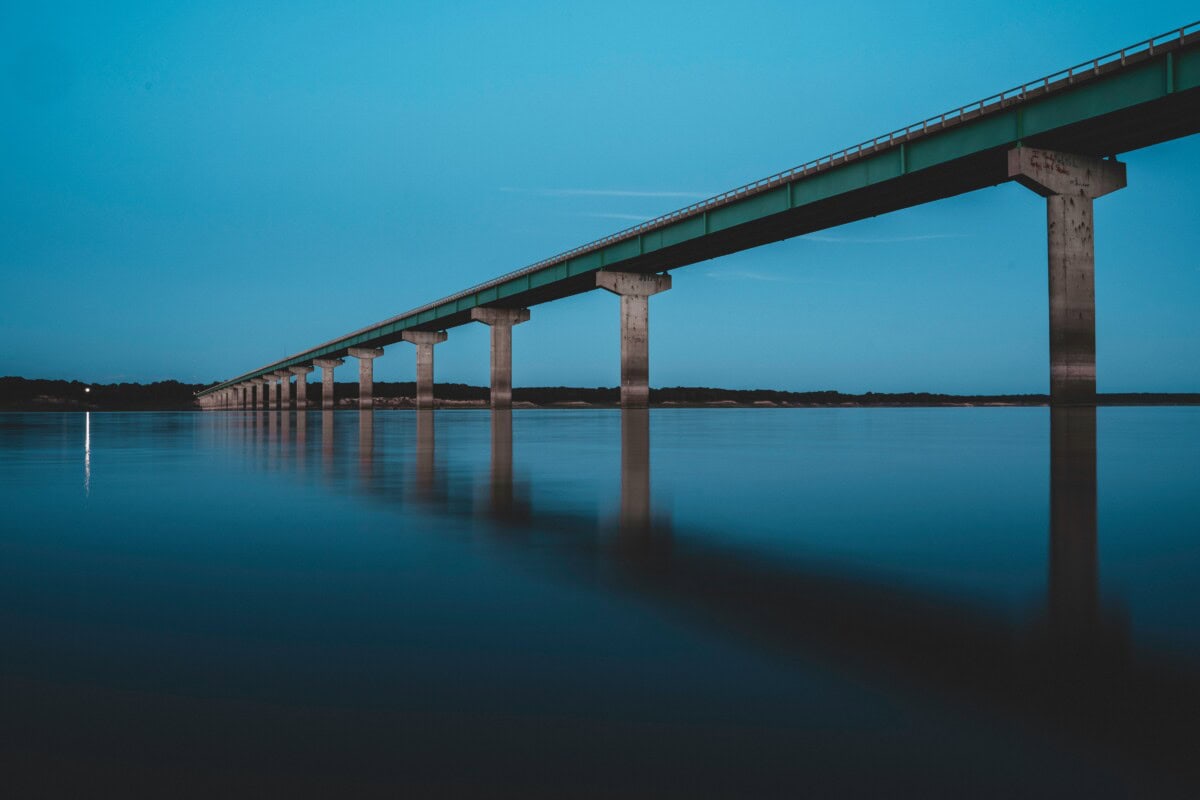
(1073, 673)
(1057, 135)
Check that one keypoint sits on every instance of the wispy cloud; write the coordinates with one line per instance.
(922, 237)
(605, 193)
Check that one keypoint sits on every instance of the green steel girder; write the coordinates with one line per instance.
(1142, 101)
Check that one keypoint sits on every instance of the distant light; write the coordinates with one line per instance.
(87, 388)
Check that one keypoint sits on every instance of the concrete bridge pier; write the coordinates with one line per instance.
(501, 321)
(257, 392)
(327, 366)
(272, 391)
(285, 388)
(366, 374)
(424, 340)
(301, 374)
(634, 289)
(1069, 183)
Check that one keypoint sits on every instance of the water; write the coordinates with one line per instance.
(754, 603)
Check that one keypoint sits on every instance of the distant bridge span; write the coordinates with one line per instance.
(1058, 135)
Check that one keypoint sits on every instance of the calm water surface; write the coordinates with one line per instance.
(758, 603)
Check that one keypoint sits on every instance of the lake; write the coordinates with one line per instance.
(592, 603)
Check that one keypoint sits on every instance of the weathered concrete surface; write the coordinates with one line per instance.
(273, 391)
(301, 374)
(635, 290)
(366, 374)
(501, 320)
(285, 388)
(327, 366)
(1069, 183)
(424, 340)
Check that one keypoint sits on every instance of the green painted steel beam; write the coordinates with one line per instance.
(1070, 105)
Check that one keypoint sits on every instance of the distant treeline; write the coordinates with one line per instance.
(21, 394)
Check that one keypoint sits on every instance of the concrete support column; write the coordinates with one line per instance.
(634, 290)
(501, 320)
(424, 340)
(260, 393)
(301, 374)
(285, 388)
(366, 374)
(1069, 183)
(327, 366)
(272, 392)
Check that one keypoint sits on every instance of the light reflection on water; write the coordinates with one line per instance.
(730, 601)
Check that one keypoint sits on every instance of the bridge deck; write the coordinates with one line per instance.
(1129, 99)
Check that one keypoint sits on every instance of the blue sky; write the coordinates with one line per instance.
(192, 190)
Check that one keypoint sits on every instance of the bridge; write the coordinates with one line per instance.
(1060, 136)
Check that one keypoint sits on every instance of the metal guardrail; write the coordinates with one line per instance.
(1001, 100)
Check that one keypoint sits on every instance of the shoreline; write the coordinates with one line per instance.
(23, 394)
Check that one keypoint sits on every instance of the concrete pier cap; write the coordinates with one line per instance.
(1049, 173)
(632, 284)
(501, 321)
(500, 316)
(634, 289)
(1070, 183)
(424, 337)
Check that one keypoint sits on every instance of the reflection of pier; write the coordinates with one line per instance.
(1073, 583)
(1075, 675)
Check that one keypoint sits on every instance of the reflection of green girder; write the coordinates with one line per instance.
(1119, 105)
